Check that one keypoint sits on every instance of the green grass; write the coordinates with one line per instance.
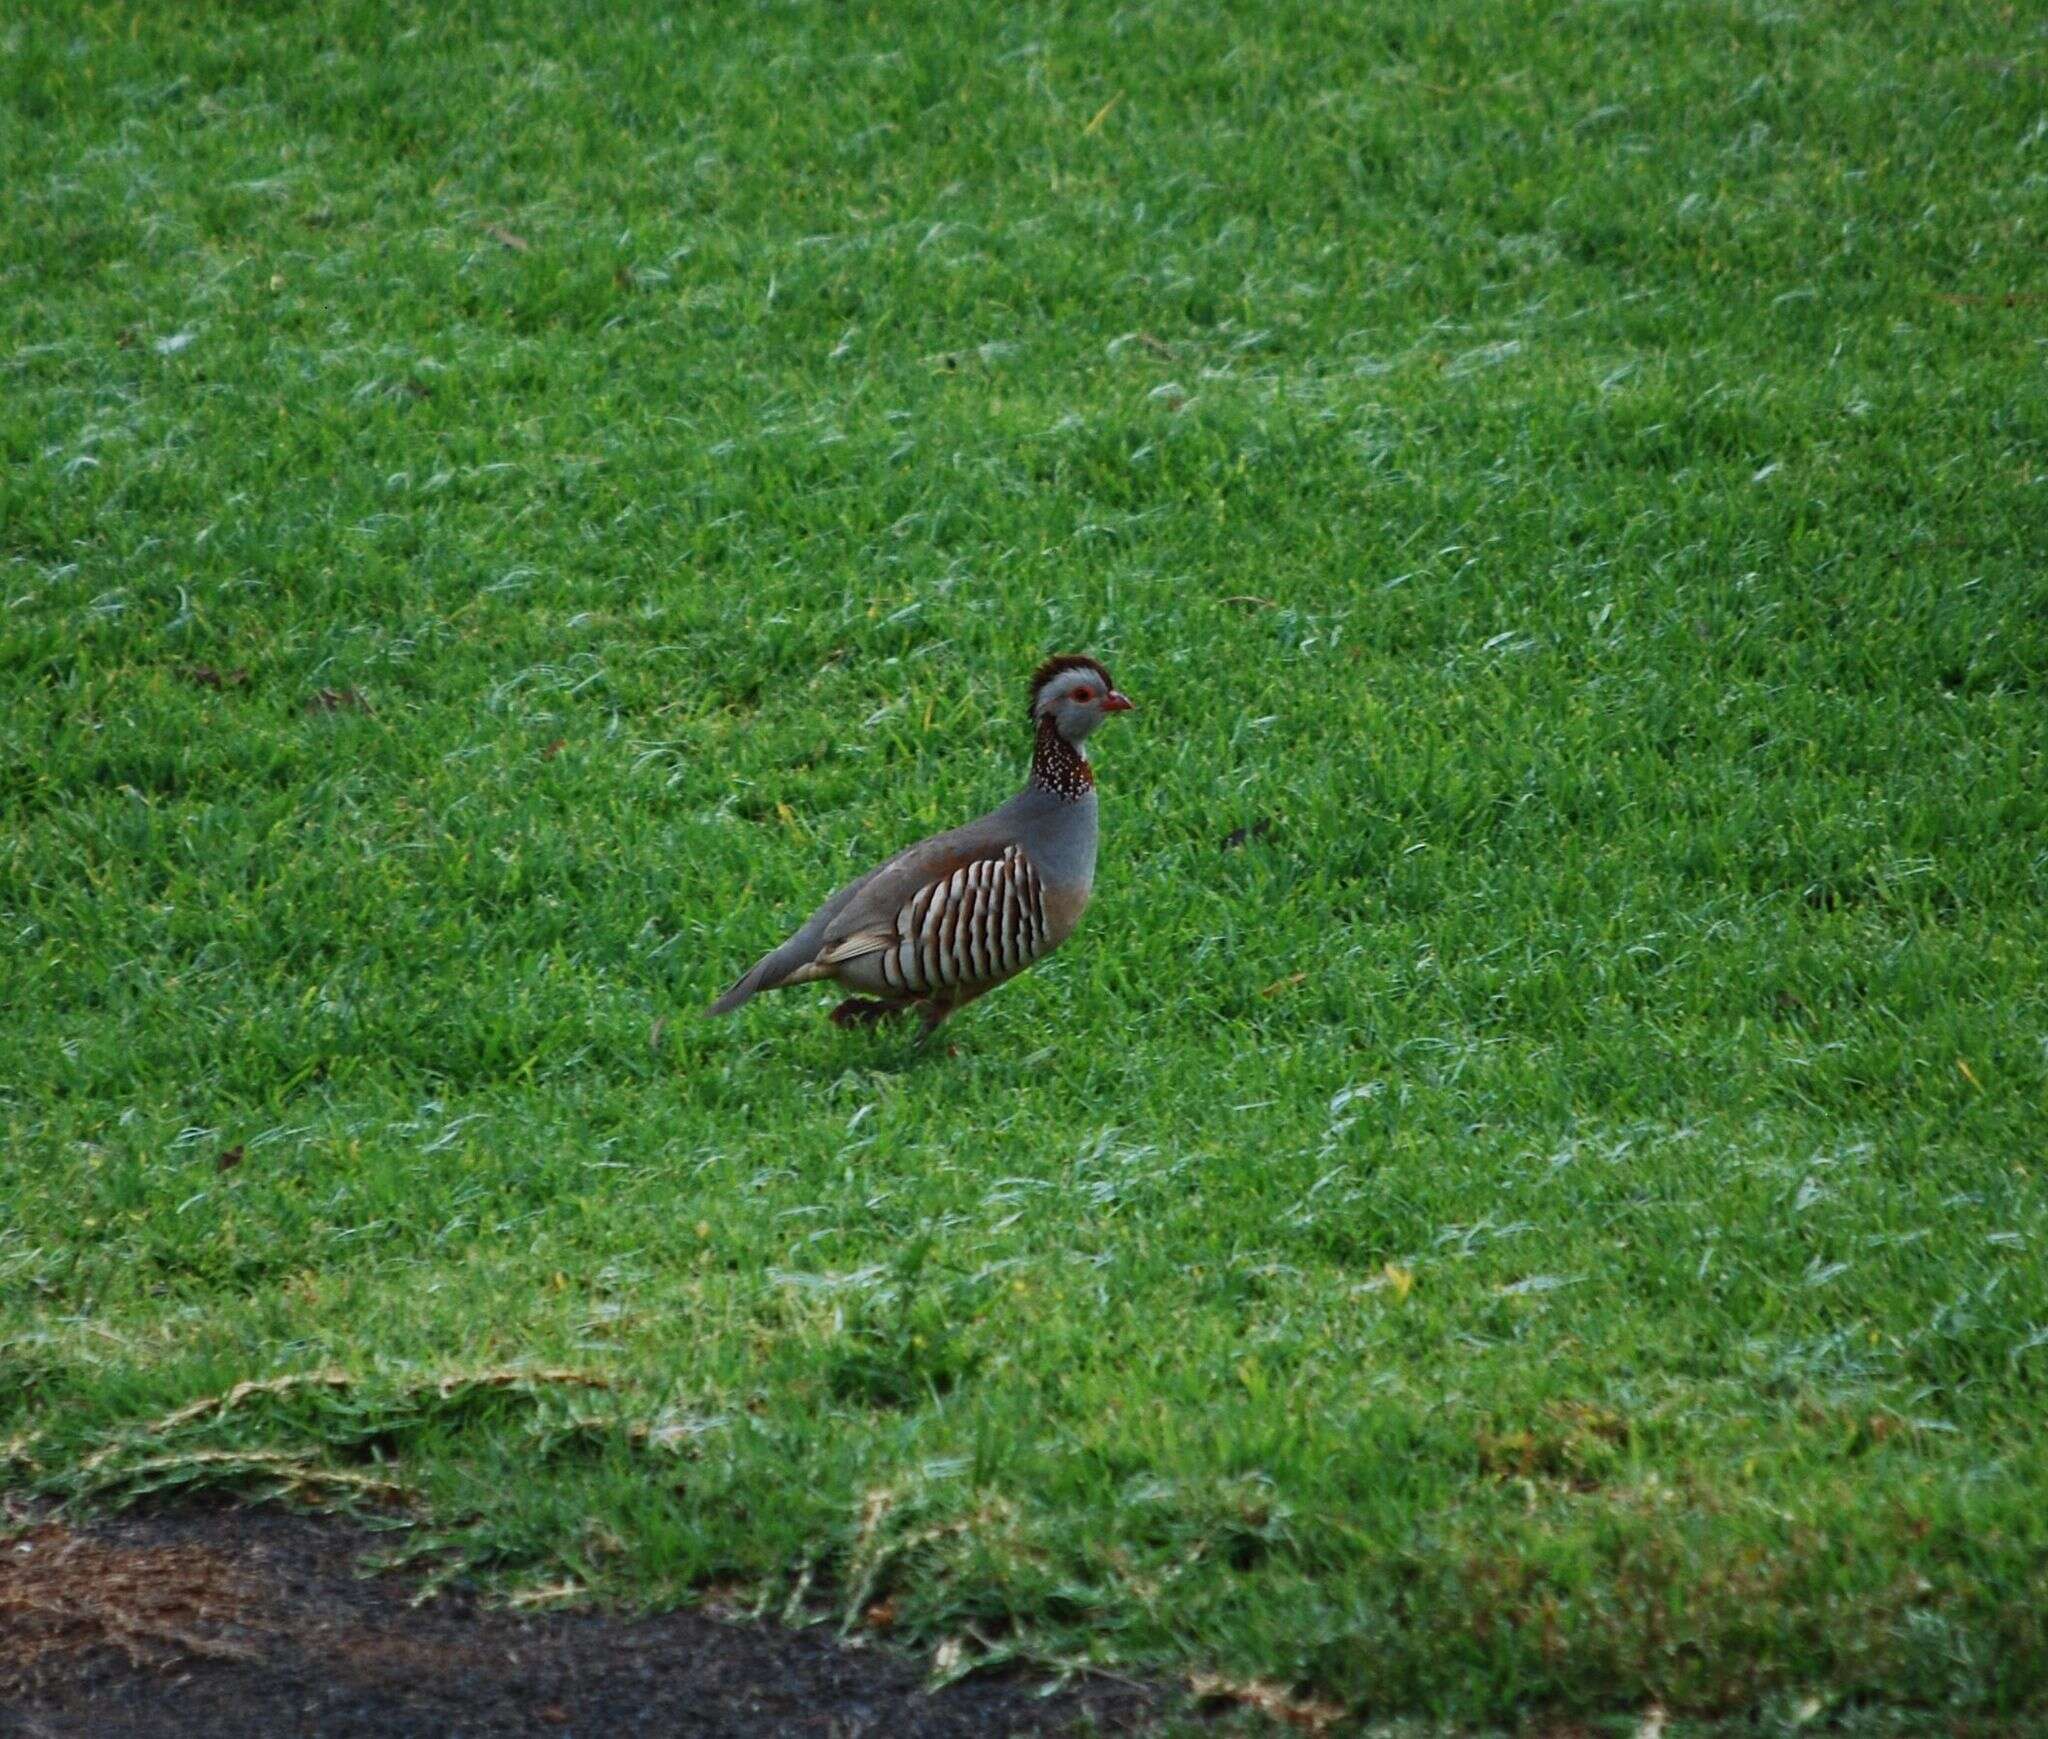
(1554, 1223)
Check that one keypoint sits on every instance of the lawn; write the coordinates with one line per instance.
(1525, 1196)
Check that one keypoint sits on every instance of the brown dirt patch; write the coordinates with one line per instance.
(64, 1593)
(225, 1622)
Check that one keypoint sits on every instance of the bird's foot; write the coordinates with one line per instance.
(864, 1011)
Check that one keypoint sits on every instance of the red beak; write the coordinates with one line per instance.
(1114, 702)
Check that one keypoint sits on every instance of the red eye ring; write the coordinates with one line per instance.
(1083, 695)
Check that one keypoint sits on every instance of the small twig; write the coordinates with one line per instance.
(2011, 299)
(219, 1405)
(446, 1386)
(547, 1592)
(511, 1376)
(1270, 1700)
(299, 1470)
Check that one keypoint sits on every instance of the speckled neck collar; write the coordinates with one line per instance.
(1057, 766)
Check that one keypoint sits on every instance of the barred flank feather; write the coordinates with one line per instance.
(972, 928)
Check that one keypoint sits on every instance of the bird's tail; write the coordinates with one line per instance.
(786, 965)
(744, 989)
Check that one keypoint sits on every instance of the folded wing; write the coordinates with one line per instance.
(954, 912)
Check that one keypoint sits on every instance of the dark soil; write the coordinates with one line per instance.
(228, 1621)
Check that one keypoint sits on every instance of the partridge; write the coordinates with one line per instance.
(953, 916)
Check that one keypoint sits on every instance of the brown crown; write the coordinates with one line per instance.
(1058, 665)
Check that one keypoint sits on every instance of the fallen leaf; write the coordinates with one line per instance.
(517, 243)
(1963, 1069)
(229, 1158)
(555, 748)
(334, 700)
(1288, 983)
(1402, 1280)
(205, 676)
(880, 1615)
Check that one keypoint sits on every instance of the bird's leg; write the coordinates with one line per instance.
(865, 1011)
(937, 1009)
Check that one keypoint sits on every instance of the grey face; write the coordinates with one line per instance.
(1077, 701)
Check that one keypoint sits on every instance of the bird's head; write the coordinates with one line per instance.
(1075, 693)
